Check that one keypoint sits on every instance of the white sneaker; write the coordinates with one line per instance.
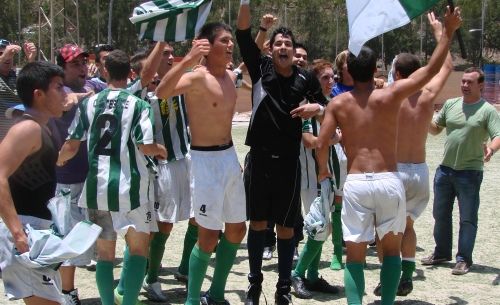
(91, 266)
(154, 292)
(268, 253)
(71, 298)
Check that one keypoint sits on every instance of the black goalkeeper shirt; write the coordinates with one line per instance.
(272, 129)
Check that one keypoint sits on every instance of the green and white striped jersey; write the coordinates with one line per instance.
(135, 87)
(171, 118)
(114, 122)
(309, 167)
(308, 158)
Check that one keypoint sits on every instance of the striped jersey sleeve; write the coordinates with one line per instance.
(143, 126)
(80, 124)
(171, 126)
(307, 126)
(136, 88)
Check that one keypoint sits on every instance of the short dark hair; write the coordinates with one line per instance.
(118, 65)
(299, 45)
(102, 48)
(406, 64)
(36, 75)
(479, 71)
(136, 61)
(362, 67)
(209, 30)
(286, 32)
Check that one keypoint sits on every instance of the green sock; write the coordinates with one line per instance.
(104, 280)
(310, 251)
(132, 283)
(313, 270)
(224, 259)
(198, 263)
(190, 239)
(126, 255)
(156, 250)
(389, 278)
(354, 281)
(408, 267)
(337, 238)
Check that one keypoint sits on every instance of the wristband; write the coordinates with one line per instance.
(244, 2)
(263, 29)
(321, 110)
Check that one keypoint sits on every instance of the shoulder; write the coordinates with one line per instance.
(489, 108)
(27, 130)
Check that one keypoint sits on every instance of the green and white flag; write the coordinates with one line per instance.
(370, 18)
(170, 20)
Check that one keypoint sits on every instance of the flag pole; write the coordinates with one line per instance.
(459, 34)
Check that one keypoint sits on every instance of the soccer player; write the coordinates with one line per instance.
(311, 253)
(272, 170)
(119, 129)
(215, 171)
(172, 189)
(374, 195)
(414, 118)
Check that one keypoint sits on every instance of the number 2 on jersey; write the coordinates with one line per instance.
(107, 124)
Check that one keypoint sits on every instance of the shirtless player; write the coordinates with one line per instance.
(415, 116)
(216, 182)
(373, 187)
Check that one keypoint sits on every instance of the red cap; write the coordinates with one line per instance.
(71, 51)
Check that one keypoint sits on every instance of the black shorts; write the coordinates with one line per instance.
(272, 187)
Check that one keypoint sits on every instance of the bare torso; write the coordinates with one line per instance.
(368, 121)
(415, 116)
(210, 109)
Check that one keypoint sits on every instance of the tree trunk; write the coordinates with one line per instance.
(110, 19)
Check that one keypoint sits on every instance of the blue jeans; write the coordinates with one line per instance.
(465, 185)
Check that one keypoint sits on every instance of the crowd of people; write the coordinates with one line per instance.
(142, 144)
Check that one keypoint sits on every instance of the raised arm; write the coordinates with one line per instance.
(174, 82)
(243, 21)
(266, 22)
(436, 84)
(151, 64)
(419, 78)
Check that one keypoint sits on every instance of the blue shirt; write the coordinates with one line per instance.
(339, 88)
(75, 170)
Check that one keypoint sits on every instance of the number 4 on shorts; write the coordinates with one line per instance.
(203, 208)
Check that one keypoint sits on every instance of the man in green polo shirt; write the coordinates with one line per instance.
(469, 121)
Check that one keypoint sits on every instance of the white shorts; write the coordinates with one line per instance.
(415, 179)
(373, 201)
(307, 196)
(217, 188)
(141, 219)
(172, 192)
(338, 186)
(20, 281)
(78, 214)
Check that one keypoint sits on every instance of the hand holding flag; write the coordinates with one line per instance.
(170, 20)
